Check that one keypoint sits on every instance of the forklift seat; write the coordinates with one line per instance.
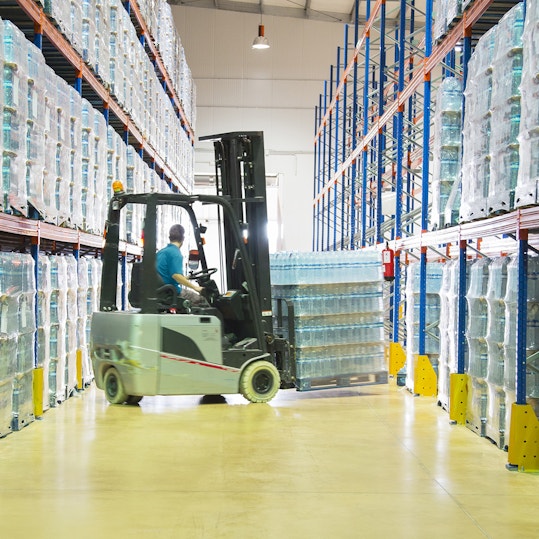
(166, 293)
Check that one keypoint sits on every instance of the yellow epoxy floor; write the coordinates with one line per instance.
(370, 462)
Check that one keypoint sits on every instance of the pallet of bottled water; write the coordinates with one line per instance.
(17, 329)
(336, 316)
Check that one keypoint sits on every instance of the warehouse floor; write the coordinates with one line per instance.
(370, 462)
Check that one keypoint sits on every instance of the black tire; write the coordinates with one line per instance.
(260, 381)
(133, 399)
(114, 389)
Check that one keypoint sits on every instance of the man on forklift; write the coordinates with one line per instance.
(170, 268)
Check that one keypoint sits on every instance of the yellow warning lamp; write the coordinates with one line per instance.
(118, 187)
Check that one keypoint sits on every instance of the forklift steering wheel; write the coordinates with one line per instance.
(207, 273)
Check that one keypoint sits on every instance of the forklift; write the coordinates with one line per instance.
(160, 344)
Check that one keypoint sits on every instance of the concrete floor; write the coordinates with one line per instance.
(371, 462)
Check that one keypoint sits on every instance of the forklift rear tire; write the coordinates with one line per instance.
(114, 389)
(260, 381)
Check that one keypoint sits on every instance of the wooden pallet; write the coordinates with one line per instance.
(349, 380)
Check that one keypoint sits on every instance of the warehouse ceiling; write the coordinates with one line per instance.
(339, 11)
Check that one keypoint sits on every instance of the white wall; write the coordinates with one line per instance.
(273, 90)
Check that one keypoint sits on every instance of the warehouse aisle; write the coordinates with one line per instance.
(372, 462)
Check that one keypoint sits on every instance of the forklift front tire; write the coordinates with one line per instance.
(114, 389)
(260, 381)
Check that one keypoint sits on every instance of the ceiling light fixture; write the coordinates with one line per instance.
(260, 41)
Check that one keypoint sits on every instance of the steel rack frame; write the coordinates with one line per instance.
(387, 150)
(59, 53)
(34, 236)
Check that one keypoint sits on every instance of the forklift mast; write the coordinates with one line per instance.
(241, 178)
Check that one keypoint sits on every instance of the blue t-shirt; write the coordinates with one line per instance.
(169, 262)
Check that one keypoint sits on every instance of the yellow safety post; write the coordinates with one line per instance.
(425, 380)
(79, 368)
(37, 386)
(397, 358)
(524, 439)
(458, 397)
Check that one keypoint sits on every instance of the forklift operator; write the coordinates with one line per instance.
(170, 267)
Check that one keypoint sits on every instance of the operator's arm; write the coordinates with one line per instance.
(184, 281)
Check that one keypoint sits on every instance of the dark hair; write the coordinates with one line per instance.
(176, 233)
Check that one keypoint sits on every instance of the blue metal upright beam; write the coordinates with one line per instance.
(365, 153)
(331, 157)
(410, 116)
(399, 168)
(315, 169)
(38, 36)
(461, 298)
(522, 316)
(343, 153)
(461, 309)
(425, 181)
(324, 152)
(34, 251)
(381, 133)
(353, 225)
(319, 175)
(336, 160)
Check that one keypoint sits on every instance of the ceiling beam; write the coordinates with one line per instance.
(305, 12)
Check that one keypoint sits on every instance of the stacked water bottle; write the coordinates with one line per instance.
(446, 152)
(506, 105)
(477, 130)
(44, 311)
(59, 157)
(102, 33)
(445, 13)
(476, 334)
(35, 131)
(89, 289)
(14, 117)
(448, 330)
(532, 337)
(527, 192)
(71, 324)
(501, 118)
(134, 184)
(338, 308)
(17, 333)
(432, 316)
(58, 318)
(496, 293)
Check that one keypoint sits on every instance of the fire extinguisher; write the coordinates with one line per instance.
(388, 261)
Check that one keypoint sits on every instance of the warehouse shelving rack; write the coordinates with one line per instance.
(59, 54)
(21, 234)
(372, 137)
(30, 17)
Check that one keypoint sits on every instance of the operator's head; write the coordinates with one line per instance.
(176, 234)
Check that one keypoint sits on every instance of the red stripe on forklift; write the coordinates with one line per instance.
(200, 363)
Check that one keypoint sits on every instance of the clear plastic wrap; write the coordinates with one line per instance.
(6, 404)
(506, 108)
(44, 199)
(15, 110)
(476, 413)
(526, 192)
(337, 298)
(446, 150)
(477, 130)
(448, 330)
(433, 307)
(17, 331)
(497, 281)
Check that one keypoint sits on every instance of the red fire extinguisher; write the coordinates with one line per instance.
(388, 261)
